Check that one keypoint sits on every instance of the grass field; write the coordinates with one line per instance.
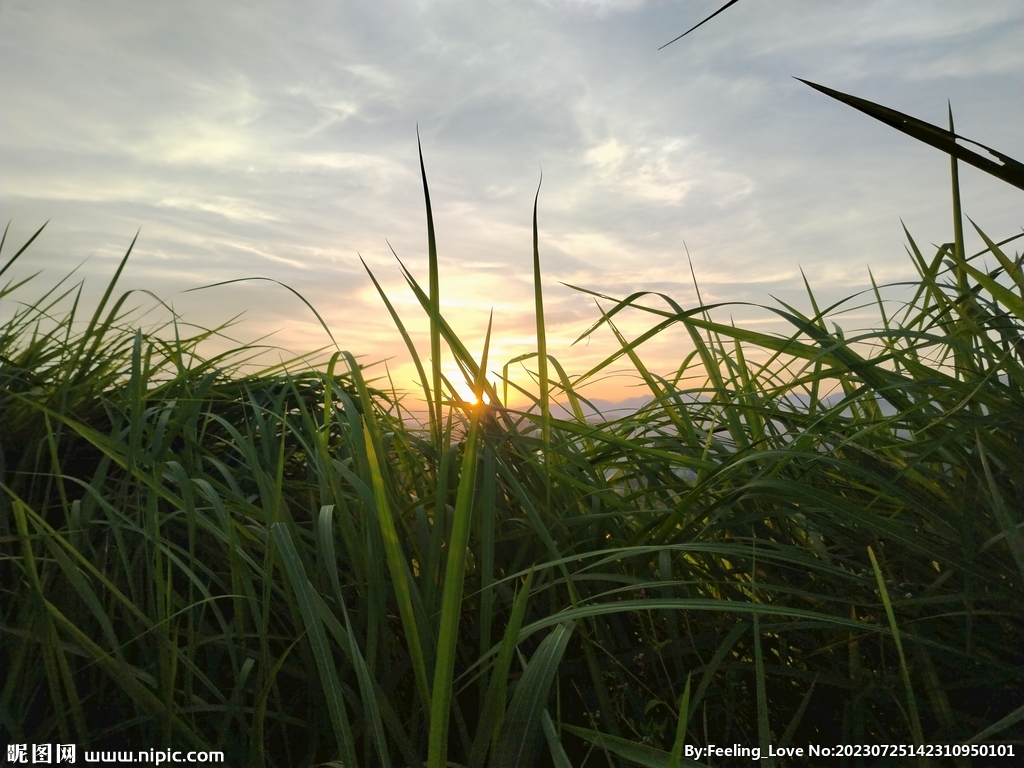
(824, 546)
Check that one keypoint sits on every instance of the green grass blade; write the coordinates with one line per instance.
(434, 308)
(1007, 169)
(700, 23)
(397, 565)
(452, 589)
(558, 754)
(492, 712)
(915, 720)
(675, 757)
(794, 723)
(325, 665)
(432, 414)
(366, 683)
(763, 728)
(542, 344)
(1000, 725)
(21, 250)
(1010, 529)
(521, 731)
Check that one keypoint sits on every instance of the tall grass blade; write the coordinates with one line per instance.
(406, 338)
(434, 308)
(492, 713)
(521, 731)
(915, 720)
(397, 565)
(675, 758)
(705, 21)
(558, 754)
(17, 254)
(325, 665)
(542, 344)
(452, 589)
(763, 727)
(1007, 169)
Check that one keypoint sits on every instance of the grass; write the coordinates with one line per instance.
(806, 538)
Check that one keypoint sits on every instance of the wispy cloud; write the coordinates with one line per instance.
(272, 139)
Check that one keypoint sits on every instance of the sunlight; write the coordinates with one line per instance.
(465, 393)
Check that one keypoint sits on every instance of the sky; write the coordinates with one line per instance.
(279, 140)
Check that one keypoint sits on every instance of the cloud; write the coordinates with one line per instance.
(249, 138)
(601, 8)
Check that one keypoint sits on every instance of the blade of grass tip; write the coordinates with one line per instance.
(645, 374)
(632, 302)
(675, 757)
(958, 219)
(878, 300)
(454, 579)
(435, 303)
(520, 735)
(1009, 170)
(818, 316)
(915, 721)
(89, 334)
(318, 641)
(21, 250)
(542, 357)
(397, 566)
(504, 386)
(462, 355)
(408, 344)
(574, 398)
(794, 723)
(705, 21)
(1002, 294)
(310, 307)
(1012, 268)
(542, 344)
(696, 287)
